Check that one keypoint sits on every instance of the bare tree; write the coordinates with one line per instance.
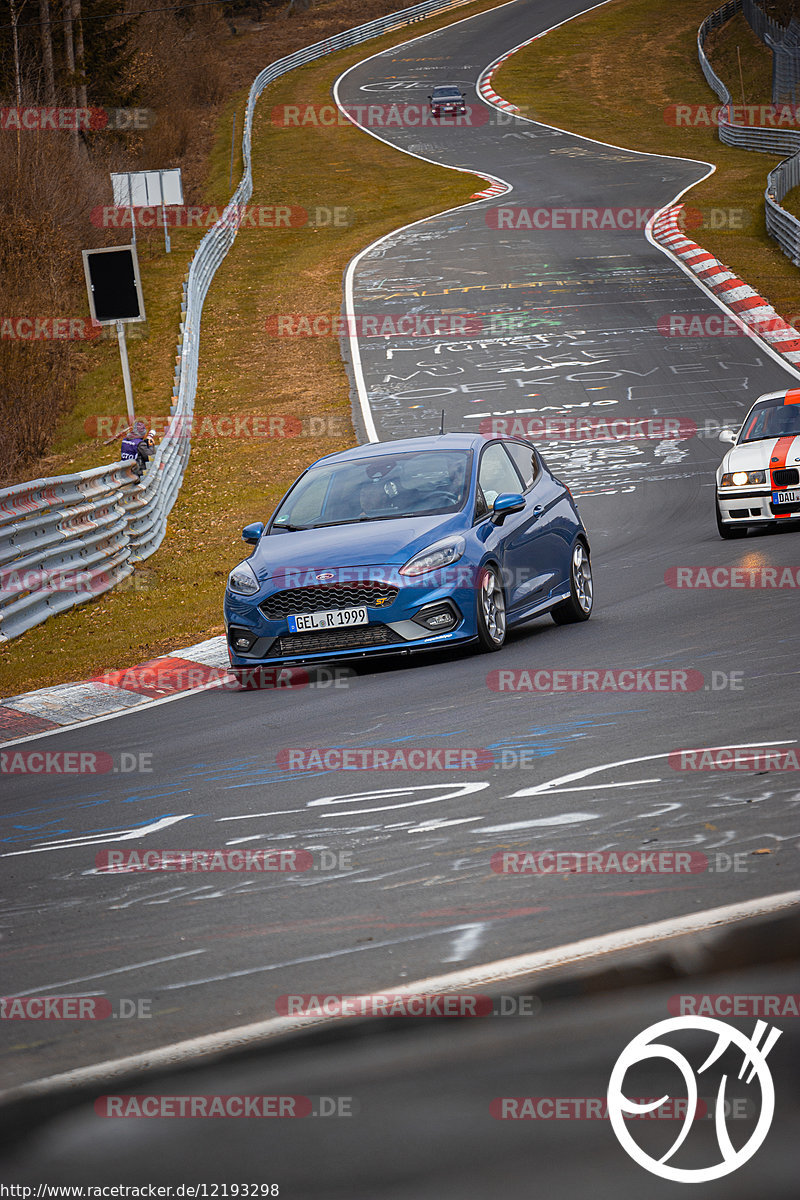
(47, 50)
(80, 54)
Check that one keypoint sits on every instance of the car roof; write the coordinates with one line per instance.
(440, 441)
(447, 87)
(787, 396)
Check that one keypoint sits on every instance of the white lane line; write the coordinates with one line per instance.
(312, 958)
(540, 789)
(99, 839)
(466, 942)
(153, 962)
(510, 968)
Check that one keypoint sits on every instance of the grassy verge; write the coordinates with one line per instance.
(616, 74)
(175, 598)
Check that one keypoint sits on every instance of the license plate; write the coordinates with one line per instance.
(332, 619)
(786, 497)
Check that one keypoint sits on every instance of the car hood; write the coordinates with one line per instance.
(757, 456)
(367, 544)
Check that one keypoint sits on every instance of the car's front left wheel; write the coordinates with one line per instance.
(578, 607)
(491, 613)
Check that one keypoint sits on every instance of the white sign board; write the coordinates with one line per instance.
(146, 189)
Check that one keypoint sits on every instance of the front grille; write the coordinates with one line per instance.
(360, 637)
(786, 478)
(328, 596)
(782, 509)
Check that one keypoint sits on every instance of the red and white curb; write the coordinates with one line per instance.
(186, 670)
(742, 300)
(485, 88)
(496, 189)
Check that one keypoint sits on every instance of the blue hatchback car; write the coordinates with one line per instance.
(396, 547)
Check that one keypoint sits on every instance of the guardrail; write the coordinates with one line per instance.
(781, 225)
(71, 537)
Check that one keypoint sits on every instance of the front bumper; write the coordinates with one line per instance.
(396, 628)
(753, 505)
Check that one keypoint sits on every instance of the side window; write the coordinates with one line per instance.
(525, 461)
(496, 473)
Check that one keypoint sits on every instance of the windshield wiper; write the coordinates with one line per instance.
(291, 528)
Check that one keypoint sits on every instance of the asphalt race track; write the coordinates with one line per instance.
(406, 889)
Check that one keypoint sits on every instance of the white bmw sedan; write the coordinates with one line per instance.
(758, 480)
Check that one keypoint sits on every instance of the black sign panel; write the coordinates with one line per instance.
(112, 277)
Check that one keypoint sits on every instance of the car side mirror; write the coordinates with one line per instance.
(251, 533)
(508, 502)
(727, 435)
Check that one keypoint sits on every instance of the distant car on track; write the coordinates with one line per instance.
(395, 547)
(447, 100)
(758, 480)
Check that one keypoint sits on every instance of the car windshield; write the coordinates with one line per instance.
(381, 487)
(446, 93)
(771, 419)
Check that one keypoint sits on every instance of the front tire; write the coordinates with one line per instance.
(581, 589)
(729, 531)
(491, 611)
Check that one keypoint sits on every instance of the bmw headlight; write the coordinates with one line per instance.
(742, 478)
(440, 554)
(242, 580)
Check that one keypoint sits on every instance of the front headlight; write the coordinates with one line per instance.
(742, 478)
(242, 580)
(441, 554)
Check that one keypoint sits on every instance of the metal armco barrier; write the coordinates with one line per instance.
(781, 225)
(66, 539)
(784, 42)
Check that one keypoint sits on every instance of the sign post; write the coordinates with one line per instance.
(115, 297)
(148, 189)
